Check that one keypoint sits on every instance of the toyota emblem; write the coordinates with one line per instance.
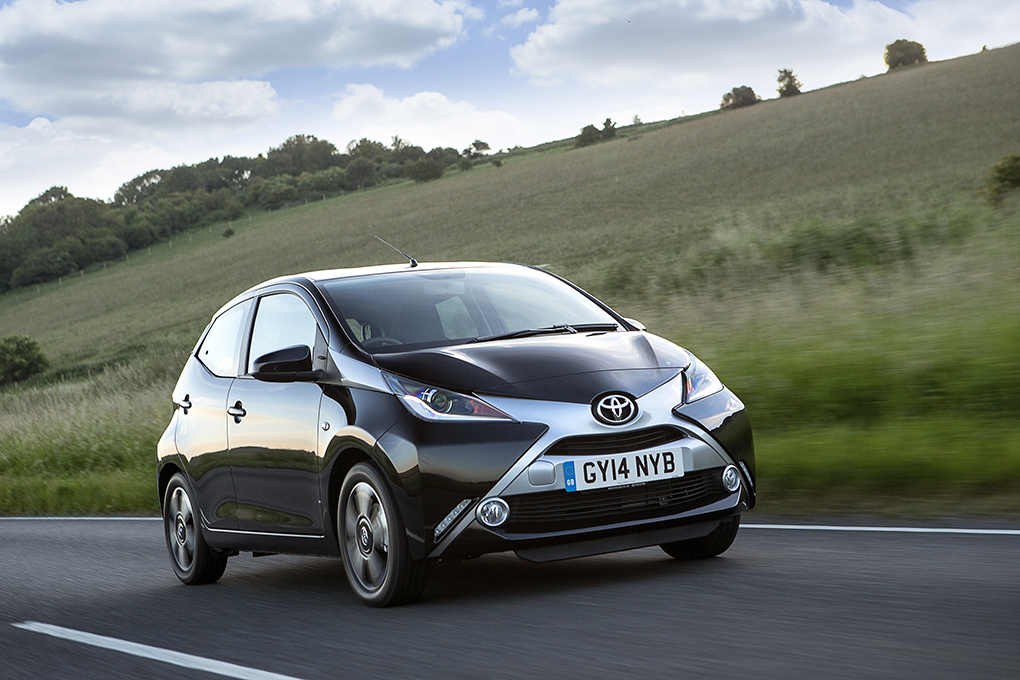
(614, 409)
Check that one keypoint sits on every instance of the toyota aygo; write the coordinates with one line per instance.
(397, 415)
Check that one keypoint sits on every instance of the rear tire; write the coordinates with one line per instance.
(191, 558)
(373, 543)
(715, 543)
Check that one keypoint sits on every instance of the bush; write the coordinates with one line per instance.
(138, 234)
(589, 135)
(275, 193)
(739, 96)
(391, 170)
(904, 53)
(424, 169)
(1005, 175)
(325, 181)
(608, 129)
(228, 232)
(20, 358)
(45, 264)
(465, 164)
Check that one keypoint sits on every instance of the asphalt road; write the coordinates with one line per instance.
(778, 604)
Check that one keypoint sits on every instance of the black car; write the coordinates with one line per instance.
(396, 415)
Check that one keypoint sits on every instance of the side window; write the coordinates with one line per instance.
(282, 320)
(219, 349)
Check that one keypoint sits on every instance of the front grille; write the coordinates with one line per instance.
(550, 511)
(617, 442)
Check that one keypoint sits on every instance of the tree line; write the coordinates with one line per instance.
(57, 234)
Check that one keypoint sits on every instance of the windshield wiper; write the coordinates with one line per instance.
(565, 328)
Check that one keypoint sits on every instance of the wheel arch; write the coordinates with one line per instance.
(342, 463)
(166, 473)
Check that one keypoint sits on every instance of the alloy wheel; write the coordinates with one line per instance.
(367, 536)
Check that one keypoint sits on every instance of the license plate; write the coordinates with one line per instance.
(621, 470)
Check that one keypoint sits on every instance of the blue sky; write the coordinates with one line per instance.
(96, 92)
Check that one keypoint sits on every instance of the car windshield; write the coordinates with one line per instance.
(401, 311)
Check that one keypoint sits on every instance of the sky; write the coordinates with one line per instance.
(96, 92)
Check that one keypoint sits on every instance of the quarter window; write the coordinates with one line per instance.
(282, 320)
(219, 349)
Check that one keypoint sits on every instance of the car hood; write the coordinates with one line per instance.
(571, 368)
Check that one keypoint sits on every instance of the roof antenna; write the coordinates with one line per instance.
(414, 262)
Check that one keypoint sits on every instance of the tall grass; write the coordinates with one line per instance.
(86, 445)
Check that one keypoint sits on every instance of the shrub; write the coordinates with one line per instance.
(391, 170)
(424, 169)
(138, 234)
(739, 96)
(275, 193)
(904, 53)
(1005, 175)
(20, 358)
(228, 232)
(589, 135)
(329, 180)
(45, 264)
(465, 164)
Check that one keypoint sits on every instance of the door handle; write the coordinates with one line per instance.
(185, 403)
(237, 412)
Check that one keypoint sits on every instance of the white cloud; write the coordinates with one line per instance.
(81, 57)
(522, 16)
(90, 165)
(428, 119)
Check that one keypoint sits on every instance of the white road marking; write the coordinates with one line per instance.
(889, 530)
(81, 519)
(156, 653)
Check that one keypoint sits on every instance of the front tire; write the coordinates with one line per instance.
(373, 544)
(191, 558)
(715, 543)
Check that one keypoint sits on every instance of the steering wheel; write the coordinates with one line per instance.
(381, 341)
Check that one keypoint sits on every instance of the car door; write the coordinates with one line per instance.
(272, 427)
(201, 434)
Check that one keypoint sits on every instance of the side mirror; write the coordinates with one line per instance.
(636, 324)
(290, 364)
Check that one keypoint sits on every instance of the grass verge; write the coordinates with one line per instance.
(932, 466)
(95, 493)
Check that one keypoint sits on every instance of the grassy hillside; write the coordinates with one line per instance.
(828, 254)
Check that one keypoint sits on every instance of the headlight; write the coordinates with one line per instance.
(433, 403)
(699, 381)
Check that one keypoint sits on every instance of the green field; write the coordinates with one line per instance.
(830, 255)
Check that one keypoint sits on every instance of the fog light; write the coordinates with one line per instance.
(492, 512)
(731, 478)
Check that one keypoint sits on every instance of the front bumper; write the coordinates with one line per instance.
(546, 522)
